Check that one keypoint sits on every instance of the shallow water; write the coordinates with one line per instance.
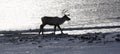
(26, 14)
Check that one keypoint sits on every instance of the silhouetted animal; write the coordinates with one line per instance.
(54, 21)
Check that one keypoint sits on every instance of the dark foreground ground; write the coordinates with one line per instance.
(99, 42)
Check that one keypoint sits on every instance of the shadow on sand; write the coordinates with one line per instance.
(65, 29)
(87, 28)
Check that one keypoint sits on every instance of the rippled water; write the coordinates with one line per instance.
(26, 14)
(94, 11)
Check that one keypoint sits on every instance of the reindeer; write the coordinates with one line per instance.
(54, 21)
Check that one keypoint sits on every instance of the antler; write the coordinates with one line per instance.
(64, 11)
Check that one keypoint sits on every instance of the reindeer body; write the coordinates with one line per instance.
(54, 21)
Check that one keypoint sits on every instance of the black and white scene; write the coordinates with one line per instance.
(59, 26)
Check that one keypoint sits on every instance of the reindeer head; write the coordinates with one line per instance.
(66, 15)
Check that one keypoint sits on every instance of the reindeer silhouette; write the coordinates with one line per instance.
(54, 21)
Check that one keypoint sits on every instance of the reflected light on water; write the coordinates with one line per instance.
(26, 14)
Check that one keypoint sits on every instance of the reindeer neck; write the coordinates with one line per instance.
(63, 18)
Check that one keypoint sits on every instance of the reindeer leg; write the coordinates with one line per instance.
(41, 28)
(54, 29)
(60, 29)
